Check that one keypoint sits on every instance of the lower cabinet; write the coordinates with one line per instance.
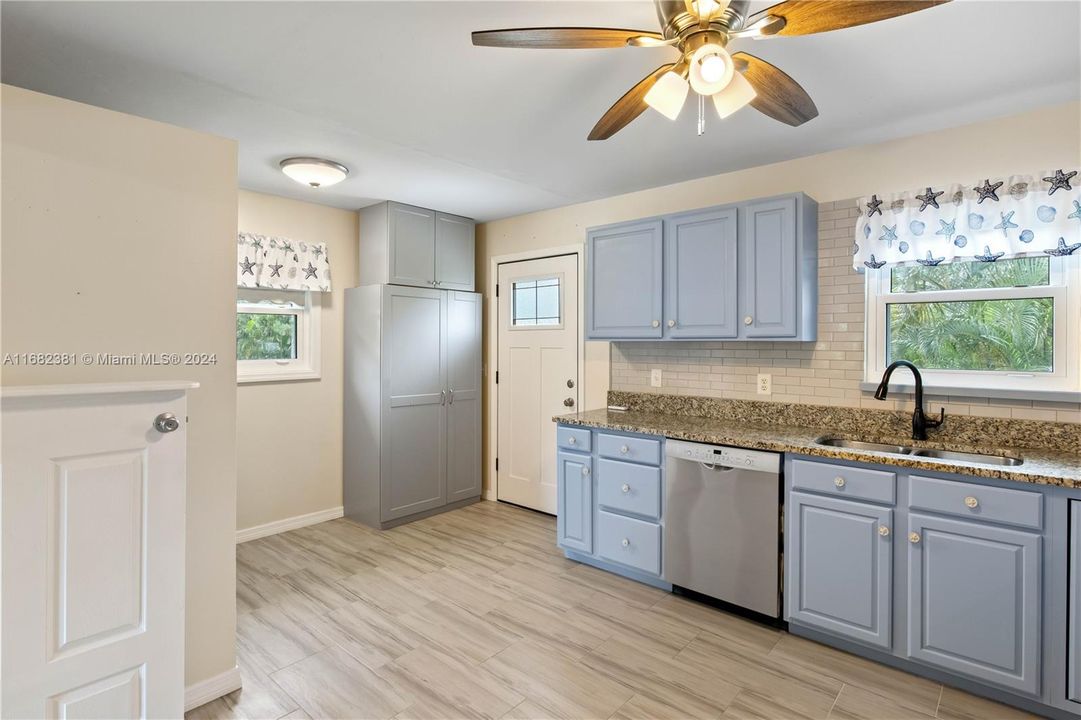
(574, 504)
(839, 567)
(1073, 612)
(974, 600)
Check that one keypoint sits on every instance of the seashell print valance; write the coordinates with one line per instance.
(985, 220)
(281, 263)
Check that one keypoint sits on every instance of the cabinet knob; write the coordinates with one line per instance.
(913, 537)
(971, 502)
(585, 472)
(883, 531)
(671, 323)
(624, 449)
(748, 320)
(625, 487)
(656, 323)
(572, 441)
(839, 481)
(625, 542)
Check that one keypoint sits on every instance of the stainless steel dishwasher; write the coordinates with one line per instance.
(722, 523)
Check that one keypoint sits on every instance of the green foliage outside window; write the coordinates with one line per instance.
(265, 336)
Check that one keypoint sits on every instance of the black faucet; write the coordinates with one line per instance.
(920, 422)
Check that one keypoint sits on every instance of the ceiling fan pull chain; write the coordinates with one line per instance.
(701, 114)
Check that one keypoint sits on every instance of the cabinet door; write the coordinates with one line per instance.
(700, 275)
(411, 245)
(768, 264)
(454, 247)
(413, 444)
(463, 395)
(839, 558)
(624, 279)
(1073, 661)
(574, 513)
(974, 600)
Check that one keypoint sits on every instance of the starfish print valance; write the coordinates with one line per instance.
(281, 263)
(984, 220)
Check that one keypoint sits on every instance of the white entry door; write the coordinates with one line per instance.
(538, 374)
(93, 554)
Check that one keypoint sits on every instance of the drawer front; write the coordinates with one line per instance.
(635, 543)
(630, 488)
(573, 438)
(977, 502)
(844, 481)
(634, 449)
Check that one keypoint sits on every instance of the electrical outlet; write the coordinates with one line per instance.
(765, 384)
(655, 377)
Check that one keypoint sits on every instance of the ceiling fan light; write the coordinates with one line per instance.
(668, 95)
(735, 95)
(711, 69)
(314, 172)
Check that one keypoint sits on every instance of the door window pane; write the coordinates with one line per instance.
(536, 302)
(988, 335)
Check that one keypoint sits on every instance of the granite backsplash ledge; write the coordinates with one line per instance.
(967, 430)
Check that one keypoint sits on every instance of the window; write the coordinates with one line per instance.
(537, 302)
(974, 326)
(277, 335)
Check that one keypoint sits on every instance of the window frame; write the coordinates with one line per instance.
(513, 327)
(1064, 289)
(307, 365)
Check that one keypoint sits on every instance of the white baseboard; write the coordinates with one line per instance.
(290, 523)
(489, 494)
(211, 689)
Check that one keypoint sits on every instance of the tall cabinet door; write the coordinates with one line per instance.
(413, 444)
(700, 275)
(574, 514)
(839, 567)
(411, 246)
(463, 395)
(455, 240)
(624, 297)
(1073, 660)
(974, 600)
(769, 261)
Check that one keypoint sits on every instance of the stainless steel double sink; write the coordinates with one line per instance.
(982, 458)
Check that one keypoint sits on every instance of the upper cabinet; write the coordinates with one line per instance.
(747, 271)
(407, 245)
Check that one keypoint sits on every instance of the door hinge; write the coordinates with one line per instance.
(496, 377)
(497, 290)
(497, 464)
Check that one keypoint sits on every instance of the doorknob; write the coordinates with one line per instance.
(570, 383)
(569, 402)
(166, 422)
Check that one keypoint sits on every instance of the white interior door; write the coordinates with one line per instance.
(93, 557)
(538, 374)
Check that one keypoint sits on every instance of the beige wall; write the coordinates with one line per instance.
(119, 237)
(289, 434)
(1033, 140)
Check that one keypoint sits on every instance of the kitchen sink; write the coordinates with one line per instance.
(971, 457)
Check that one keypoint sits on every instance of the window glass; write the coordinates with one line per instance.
(1019, 272)
(536, 302)
(266, 336)
(979, 335)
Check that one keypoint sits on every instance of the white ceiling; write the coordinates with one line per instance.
(396, 91)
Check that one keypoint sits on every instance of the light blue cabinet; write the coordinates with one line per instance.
(974, 600)
(623, 287)
(1073, 657)
(574, 502)
(746, 271)
(839, 567)
(700, 293)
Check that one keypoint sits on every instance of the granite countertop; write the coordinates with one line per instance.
(1047, 467)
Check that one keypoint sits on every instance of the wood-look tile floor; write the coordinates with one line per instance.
(476, 614)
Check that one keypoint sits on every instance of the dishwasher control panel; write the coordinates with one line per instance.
(723, 455)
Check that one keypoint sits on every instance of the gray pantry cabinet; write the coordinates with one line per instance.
(406, 245)
(744, 271)
(412, 402)
(966, 579)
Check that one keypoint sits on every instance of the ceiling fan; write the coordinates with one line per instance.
(701, 31)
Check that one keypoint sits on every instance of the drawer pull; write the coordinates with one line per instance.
(913, 537)
(585, 471)
(883, 531)
(971, 502)
(839, 481)
(625, 487)
(624, 449)
(572, 441)
(625, 542)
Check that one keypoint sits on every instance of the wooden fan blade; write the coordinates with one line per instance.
(628, 107)
(805, 17)
(779, 96)
(559, 38)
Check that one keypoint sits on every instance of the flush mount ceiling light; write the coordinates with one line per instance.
(701, 31)
(314, 172)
